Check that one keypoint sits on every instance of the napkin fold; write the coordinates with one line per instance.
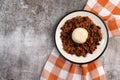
(57, 68)
(109, 11)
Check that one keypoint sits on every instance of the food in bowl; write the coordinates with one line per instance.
(80, 36)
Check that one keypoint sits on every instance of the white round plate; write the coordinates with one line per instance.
(100, 48)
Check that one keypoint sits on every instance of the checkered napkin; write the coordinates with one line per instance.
(109, 11)
(57, 68)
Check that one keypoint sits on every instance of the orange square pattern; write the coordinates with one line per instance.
(112, 25)
(73, 67)
(98, 78)
(59, 63)
(103, 2)
(52, 77)
(91, 66)
(84, 70)
(116, 10)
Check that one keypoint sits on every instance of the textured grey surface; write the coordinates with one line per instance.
(26, 37)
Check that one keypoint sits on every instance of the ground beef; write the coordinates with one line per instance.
(94, 36)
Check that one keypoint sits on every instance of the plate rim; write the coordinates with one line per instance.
(100, 53)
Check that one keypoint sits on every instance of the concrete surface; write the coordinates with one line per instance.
(26, 37)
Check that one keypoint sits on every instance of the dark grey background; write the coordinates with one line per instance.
(26, 37)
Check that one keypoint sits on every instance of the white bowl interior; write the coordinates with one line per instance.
(89, 57)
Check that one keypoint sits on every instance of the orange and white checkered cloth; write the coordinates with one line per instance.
(109, 11)
(57, 68)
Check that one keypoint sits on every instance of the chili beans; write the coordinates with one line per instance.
(94, 36)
